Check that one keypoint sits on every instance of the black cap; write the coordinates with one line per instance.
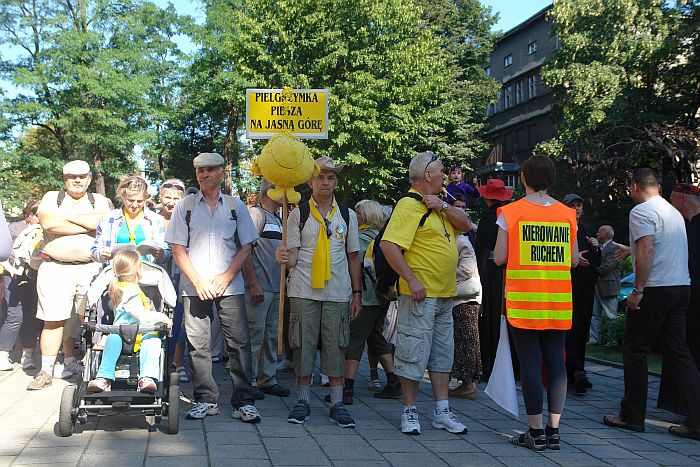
(571, 197)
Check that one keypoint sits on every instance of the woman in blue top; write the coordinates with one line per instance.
(133, 224)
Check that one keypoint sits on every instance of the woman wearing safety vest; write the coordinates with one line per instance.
(537, 242)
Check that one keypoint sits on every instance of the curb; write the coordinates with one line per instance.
(620, 366)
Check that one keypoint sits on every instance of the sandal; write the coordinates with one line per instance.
(553, 438)
(456, 392)
(526, 440)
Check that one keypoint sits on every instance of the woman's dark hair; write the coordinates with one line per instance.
(30, 209)
(539, 172)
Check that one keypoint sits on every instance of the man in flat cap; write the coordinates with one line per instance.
(325, 287)
(69, 218)
(210, 235)
(583, 280)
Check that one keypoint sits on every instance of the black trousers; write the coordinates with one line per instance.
(662, 315)
(693, 317)
(576, 338)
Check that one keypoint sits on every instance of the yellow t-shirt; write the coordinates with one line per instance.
(430, 250)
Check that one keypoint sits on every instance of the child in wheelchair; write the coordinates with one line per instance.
(133, 308)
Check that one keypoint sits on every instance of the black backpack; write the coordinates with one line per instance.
(62, 195)
(386, 286)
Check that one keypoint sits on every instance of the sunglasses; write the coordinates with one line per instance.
(328, 227)
(173, 185)
(432, 159)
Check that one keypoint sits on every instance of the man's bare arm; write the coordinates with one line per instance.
(55, 224)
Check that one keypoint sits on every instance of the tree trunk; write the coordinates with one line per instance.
(98, 178)
(228, 149)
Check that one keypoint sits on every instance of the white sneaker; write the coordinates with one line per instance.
(446, 420)
(58, 370)
(72, 369)
(247, 413)
(201, 409)
(409, 422)
(5, 363)
(27, 361)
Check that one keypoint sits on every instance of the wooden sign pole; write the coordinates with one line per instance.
(283, 279)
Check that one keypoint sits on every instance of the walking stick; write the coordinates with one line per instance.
(283, 282)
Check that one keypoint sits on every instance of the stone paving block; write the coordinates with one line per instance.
(180, 447)
(291, 444)
(45, 440)
(413, 459)
(181, 461)
(123, 459)
(307, 458)
(354, 439)
(607, 452)
(606, 433)
(635, 462)
(468, 459)
(117, 445)
(576, 439)
(666, 457)
(637, 444)
(233, 437)
(408, 444)
(455, 445)
(392, 433)
(11, 448)
(228, 451)
(352, 453)
(687, 449)
(68, 454)
(6, 460)
(219, 424)
(247, 463)
(289, 430)
(520, 461)
(580, 459)
(340, 463)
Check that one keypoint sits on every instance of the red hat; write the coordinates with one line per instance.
(495, 189)
(687, 188)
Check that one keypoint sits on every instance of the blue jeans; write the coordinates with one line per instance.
(149, 357)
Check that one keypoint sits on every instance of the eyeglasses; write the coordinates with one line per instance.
(432, 159)
(173, 185)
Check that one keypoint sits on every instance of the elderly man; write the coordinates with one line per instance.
(210, 235)
(69, 218)
(262, 275)
(582, 290)
(425, 257)
(607, 286)
(656, 308)
(325, 289)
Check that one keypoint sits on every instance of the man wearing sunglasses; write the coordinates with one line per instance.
(324, 289)
(425, 257)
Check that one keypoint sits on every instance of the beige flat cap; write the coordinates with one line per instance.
(76, 167)
(208, 159)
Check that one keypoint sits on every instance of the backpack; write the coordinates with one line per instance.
(305, 211)
(25, 250)
(230, 202)
(386, 286)
(368, 260)
(62, 195)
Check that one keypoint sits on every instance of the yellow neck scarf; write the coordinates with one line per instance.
(363, 226)
(321, 260)
(132, 224)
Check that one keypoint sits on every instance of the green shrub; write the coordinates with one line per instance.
(613, 330)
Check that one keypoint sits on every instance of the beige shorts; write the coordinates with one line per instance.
(62, 290)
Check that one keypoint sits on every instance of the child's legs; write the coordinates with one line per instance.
(149, 357)
(110, 355)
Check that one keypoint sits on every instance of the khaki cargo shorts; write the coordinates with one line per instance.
(62, 291)
(310, 320)
(424, 337)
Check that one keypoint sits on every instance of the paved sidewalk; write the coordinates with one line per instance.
(28, 427)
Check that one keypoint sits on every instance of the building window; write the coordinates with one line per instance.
(510, 181)
(508, 61)
(508, 97)
(487, 71)
(519, 97)
(532, 47)
(532, 86)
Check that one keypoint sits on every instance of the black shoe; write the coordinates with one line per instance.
(300, 413)
(618, 422)
(589, 385)
(257, 393)
(390, 391)
(276, 390)
(580, 385)
(537, 443)
(553, 439)
(684, 432)
(339, 415)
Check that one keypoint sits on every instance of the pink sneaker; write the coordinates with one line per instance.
(99, 385)
(147, 385)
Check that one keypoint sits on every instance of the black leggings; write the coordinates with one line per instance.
(533, 348)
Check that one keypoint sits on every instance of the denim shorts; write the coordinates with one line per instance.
(424, 337)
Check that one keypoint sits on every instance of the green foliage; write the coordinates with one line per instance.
(613, 331)
(85, 76)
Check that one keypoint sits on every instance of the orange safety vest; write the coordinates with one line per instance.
(538, 274)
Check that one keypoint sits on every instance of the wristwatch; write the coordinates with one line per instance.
(636, 291)
(445, 205)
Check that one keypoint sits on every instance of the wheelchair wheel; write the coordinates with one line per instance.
(173, 408)
(66, 415)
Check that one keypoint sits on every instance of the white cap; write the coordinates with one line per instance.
(208, 159)
(76, 167)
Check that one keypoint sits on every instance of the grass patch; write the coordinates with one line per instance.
(614, 354)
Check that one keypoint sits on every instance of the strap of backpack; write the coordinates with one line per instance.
(231, 203)
(62, 195)
(189, 205)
